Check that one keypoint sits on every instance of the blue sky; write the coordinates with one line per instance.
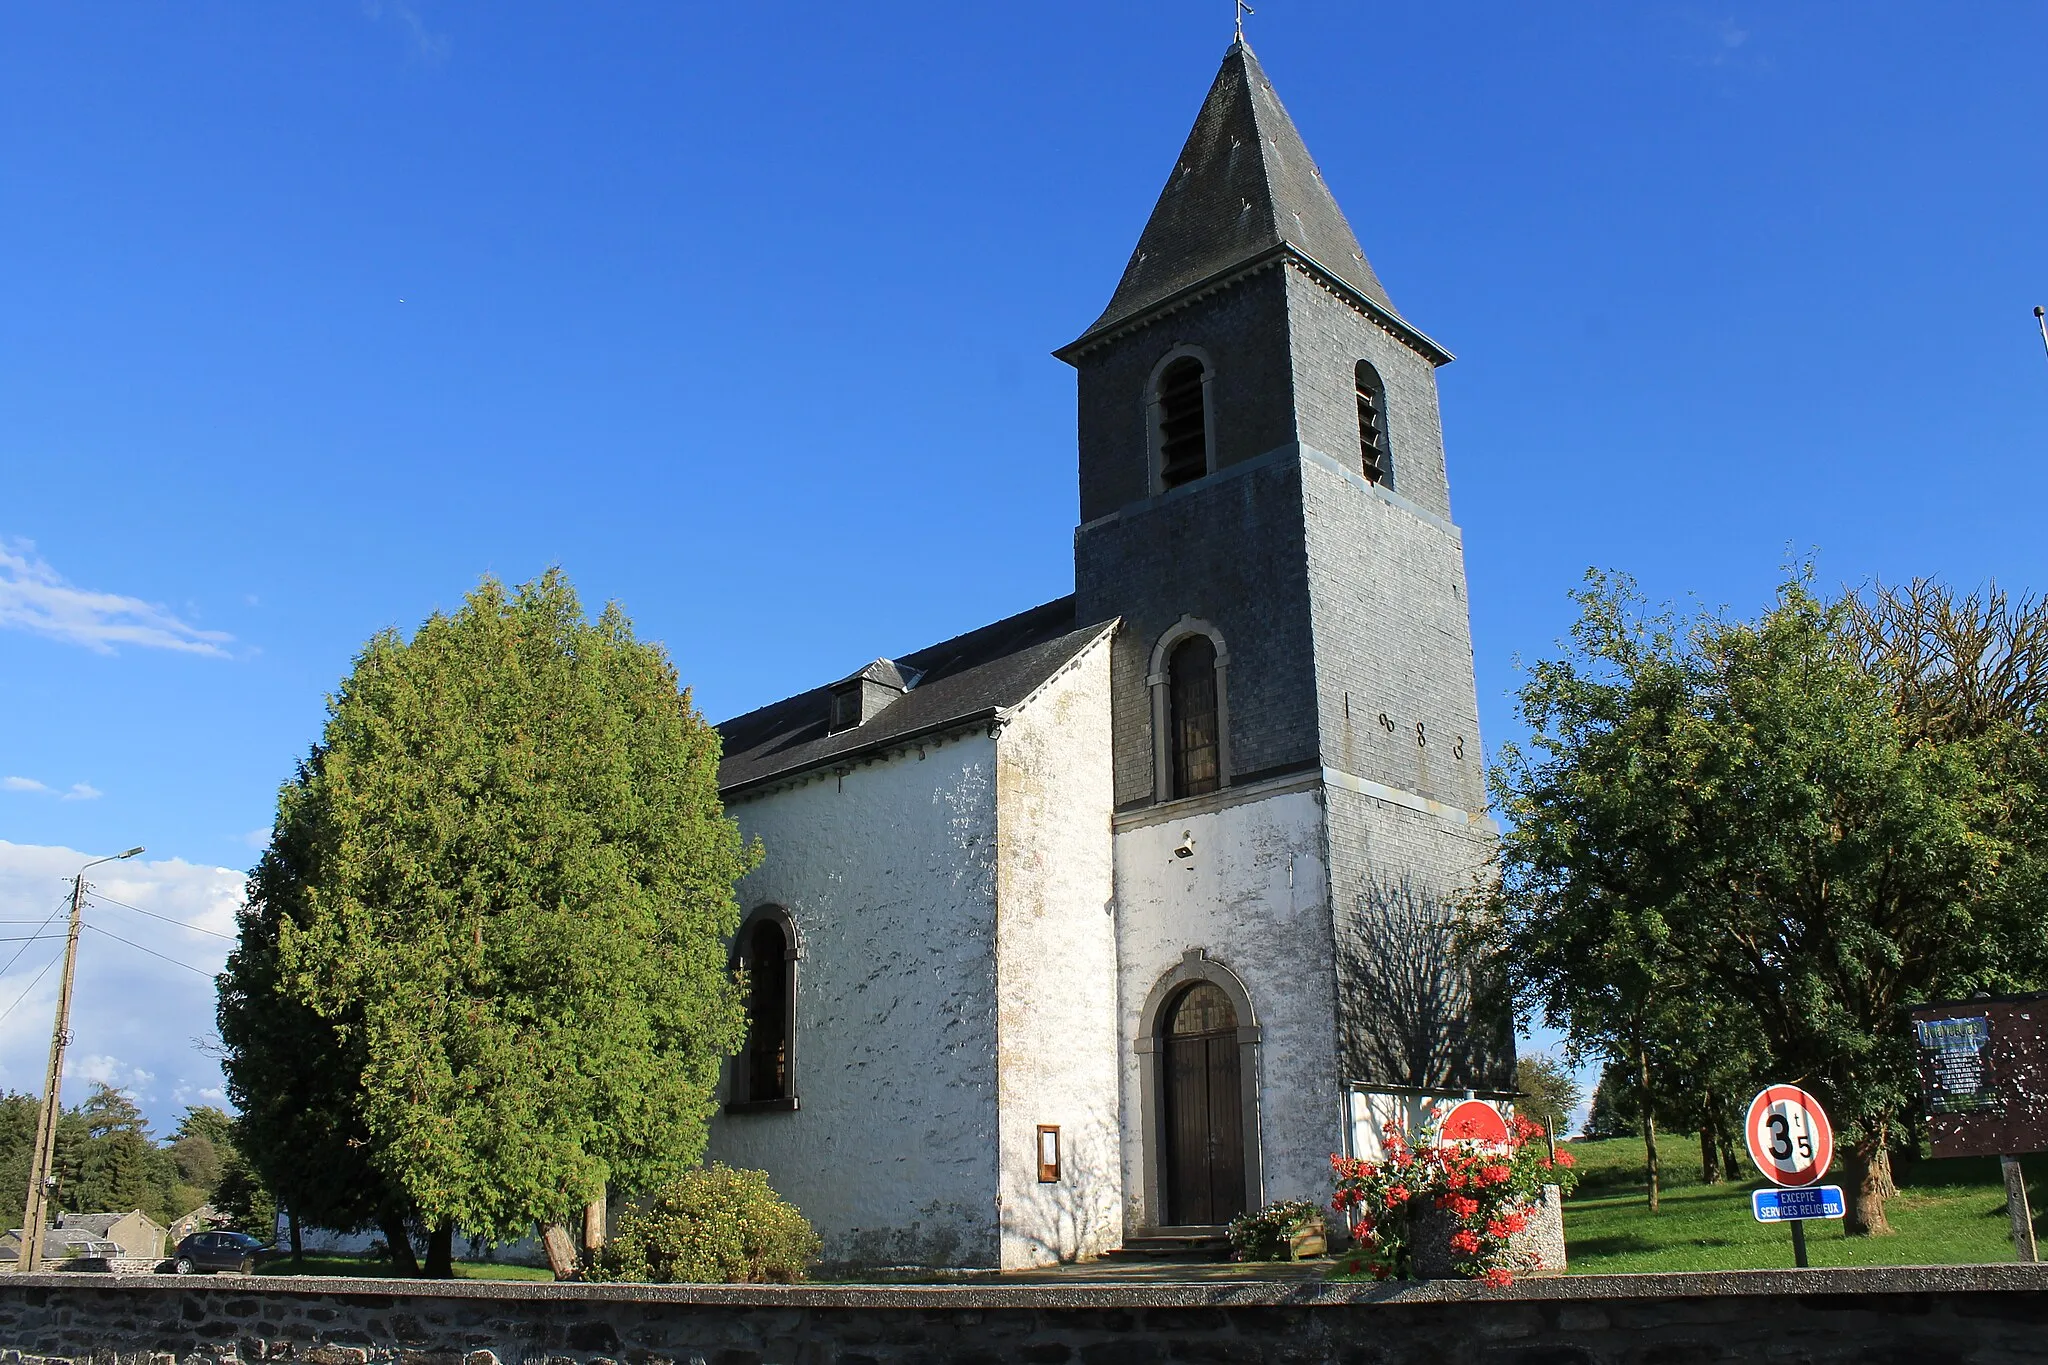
(315, 313)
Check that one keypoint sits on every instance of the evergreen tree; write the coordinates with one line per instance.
(244, 1200)
(118, 1166)
(487, 940)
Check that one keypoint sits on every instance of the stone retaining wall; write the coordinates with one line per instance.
(1986, 1314)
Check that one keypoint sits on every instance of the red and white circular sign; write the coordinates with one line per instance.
(1790, 1139)
(1473, 1121)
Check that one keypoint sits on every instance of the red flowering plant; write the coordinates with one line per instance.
(1481, 1191)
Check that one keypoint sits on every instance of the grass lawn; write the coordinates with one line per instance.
(384, 1270)
(1947, 1213)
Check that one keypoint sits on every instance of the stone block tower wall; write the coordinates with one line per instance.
(1338, 597)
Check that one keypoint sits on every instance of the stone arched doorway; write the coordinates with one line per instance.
(1204, 1108)
(1199, 1067)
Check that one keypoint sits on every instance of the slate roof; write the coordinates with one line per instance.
(1243, 187)
(98, 1224)
(966, 678)
(887, 672)
(64, 1241)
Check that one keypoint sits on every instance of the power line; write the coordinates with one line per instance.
(29, 938)
(197, 971)
(24, 947)
(182, 924)
(31, 985)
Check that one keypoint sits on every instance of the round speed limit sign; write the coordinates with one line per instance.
(1790, 1139)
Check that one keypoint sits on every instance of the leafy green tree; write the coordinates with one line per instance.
(1550, 1092)
(1792, 826)
(295, 1075)
(198, 1146)
(495, 907)
(1597, 859)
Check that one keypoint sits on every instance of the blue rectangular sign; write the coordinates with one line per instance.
(1785, 1206)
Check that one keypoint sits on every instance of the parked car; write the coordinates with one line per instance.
(204, 1252)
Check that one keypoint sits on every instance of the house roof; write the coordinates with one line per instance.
(1243, 187)
(70, 1241)
(969, 677)
(99, 1224)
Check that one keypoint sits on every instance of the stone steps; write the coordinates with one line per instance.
(1181, 1244)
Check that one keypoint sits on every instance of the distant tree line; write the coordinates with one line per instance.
(1740, 851)
(108, 1162)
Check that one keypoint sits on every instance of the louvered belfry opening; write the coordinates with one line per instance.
(1191, 701)
(1183, 426)
(1372, 432)
(1204, 1110)
(767, 1013)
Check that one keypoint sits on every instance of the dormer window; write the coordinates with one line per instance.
(1181, 412)
(845, 706)
(860, 698)
(1372, 427)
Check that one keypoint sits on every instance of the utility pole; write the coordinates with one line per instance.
(2041, 321)
(45, 1154)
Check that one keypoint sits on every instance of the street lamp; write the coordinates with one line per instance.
(40, 1176)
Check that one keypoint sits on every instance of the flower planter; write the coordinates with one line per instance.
(1311, 1239)
(1539, 1247)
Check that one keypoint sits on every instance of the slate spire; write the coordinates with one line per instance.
(1244, 185)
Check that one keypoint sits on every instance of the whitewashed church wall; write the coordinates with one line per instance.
(1056, 971)
(889, 874)
(1255, 895)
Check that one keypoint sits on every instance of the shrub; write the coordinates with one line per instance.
(1265, 1235)
(711, 1226)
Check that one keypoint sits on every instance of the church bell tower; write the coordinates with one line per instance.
(1264, 506)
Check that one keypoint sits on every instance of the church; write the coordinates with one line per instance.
(1116, 918)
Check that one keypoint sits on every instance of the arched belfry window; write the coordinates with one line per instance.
(1373, 460)
(1180, 417)
(764, 1074)
(1191, 703)
(1190, 712)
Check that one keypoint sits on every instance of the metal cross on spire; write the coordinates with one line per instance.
(1242, 10)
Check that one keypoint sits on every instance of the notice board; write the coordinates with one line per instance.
(1984, 1074)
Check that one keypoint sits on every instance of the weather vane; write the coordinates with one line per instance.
(1242, 10)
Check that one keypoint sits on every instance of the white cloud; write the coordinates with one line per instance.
(83, 791)
(138, 1020)
(257, 838)
(426, 46)
(35, 597)
(21, 784)
(103, 1070)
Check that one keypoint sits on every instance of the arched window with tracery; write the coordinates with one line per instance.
(1193, 732)
(764, 1074)
(1180, 409)
(1373, 459)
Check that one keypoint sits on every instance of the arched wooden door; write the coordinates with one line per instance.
(1204, 1100)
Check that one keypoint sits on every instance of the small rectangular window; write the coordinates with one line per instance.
(1048, 1154)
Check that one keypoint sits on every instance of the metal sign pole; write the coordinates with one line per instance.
(2016, 1208)
(1799, 1242)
